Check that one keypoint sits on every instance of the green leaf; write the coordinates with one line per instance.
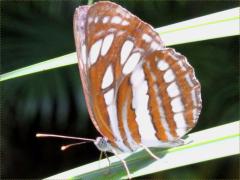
(217, 25)
(205, 145)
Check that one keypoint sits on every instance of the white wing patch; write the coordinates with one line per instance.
(94, 51)
(105, 19)
(131, 63)
(154, 45)
(168, 76)
(137, 76)
(162, 65)
(126, 50)
(180, 120)
(146, 38)
(116, 20)
(173, 90)
(107, 42)
(125, 23)
(108, 77)
(112, 112)
(177, 105)
(143, 118)
(108, 96)
(181, 132)
(96, 19)
(90, 20)
(162, 114)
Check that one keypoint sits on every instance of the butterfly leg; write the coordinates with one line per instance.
(124, 163)
(109, 163)
(149, 151)
(100, 157)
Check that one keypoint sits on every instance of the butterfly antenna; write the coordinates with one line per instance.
(63, 137)
(64, 147)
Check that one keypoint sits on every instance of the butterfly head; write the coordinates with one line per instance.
(102, 144)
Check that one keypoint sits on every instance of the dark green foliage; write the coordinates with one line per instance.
(52, 101)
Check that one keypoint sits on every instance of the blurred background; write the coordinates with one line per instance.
(52, 101)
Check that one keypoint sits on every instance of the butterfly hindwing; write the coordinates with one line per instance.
(172, 94)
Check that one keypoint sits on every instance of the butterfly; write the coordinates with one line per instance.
(139, 93)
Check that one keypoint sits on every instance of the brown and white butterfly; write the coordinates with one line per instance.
(139, 93)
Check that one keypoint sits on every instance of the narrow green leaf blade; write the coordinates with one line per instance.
(42, 66)
(209, 144)
(217, 25)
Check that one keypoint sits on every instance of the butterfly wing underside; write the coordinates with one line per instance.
(137, 91)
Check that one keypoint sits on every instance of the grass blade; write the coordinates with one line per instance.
(209, 144)
(217, 25)
(42, 66)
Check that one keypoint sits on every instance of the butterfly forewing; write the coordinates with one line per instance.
(79, 26)
(137, 91)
